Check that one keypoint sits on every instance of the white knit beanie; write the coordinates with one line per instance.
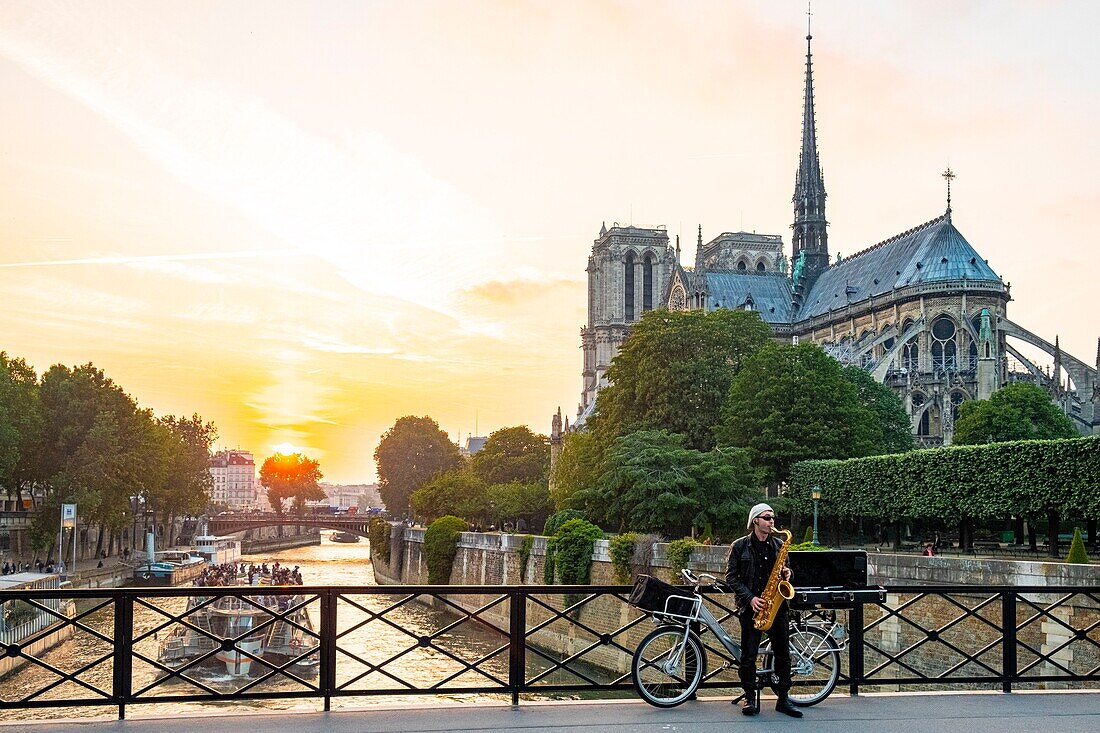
(756, 511)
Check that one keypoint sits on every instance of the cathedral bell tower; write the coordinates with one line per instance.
(811, 241)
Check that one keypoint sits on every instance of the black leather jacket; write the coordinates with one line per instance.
(745, 572)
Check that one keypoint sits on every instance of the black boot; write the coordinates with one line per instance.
(783, 705)
(751, 706)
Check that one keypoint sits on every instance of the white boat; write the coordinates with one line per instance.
(285, 642)
(174, 567)
(218, 550)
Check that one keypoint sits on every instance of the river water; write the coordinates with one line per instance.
(374, 641)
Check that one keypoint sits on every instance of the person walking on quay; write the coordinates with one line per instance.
(748, 566)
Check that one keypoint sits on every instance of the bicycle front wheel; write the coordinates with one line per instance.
(815, 666)
(666, 668)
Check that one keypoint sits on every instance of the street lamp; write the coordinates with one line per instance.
(817, 498)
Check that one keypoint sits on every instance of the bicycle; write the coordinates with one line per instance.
(670, 662)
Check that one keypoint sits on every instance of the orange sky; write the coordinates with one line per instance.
(304, 220)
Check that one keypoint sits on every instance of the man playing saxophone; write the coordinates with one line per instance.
(749, 568)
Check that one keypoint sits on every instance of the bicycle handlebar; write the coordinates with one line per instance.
(698, 580)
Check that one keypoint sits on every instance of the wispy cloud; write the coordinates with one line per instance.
(152, 259)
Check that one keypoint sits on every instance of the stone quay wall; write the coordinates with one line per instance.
(494, 559)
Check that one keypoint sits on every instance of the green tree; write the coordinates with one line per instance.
(653, 482)
(558, 518)
(513, 501)
(188, 484)
(88, 455)
(1077, 554)
(793, 403)
(897, 430)
(513, 454)
(577, 467)
(411, 454)
(673, 373)
(292, 477)
(1019, 411)
(460, 493)
(20, 426)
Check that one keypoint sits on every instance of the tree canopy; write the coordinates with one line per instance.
(674, 371)
(410, 454)
(514, 501)
(897, 429)
(577, 467)
(461, 493)
(1019, 411)
(653, 482)
(793, 403)
(513, 454)
(78, 437)
(291, 477)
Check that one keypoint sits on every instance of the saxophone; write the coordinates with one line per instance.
(777, 589)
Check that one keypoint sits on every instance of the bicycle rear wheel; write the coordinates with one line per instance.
(815, 666)
(666, 670)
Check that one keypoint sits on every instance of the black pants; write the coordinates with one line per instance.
(779, 635)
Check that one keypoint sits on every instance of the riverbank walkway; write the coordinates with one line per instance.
(1021, 712)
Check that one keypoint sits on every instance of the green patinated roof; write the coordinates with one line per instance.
(932, 252)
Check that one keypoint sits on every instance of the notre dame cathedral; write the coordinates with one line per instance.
(921, 310)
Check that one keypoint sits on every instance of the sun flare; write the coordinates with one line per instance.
(286, 449)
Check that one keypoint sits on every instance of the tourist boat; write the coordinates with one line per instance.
(344, 537)
(288, 642)
(174, 567)
(218, 550)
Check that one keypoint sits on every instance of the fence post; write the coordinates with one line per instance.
(123, 661)
(328, 645)
(517, 643)
(1008, 639)
(855, 648)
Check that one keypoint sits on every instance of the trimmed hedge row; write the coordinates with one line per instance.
(1027, 478)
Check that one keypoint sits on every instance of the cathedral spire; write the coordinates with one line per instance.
(699, 252)
(809, 227)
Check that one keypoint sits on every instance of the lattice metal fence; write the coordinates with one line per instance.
(130, 646)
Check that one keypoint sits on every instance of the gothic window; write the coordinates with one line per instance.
(629, 286)
(648, 266)
(910, 355)
(943, 345)
(678, 301)
(741, 265)
(977, 321)
(760, 267)
(918, 400)
(923, 426)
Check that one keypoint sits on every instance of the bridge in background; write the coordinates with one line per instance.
(230, 523)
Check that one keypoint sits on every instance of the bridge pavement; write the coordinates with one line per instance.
(1021, 712)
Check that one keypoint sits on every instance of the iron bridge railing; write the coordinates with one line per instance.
(156, 645)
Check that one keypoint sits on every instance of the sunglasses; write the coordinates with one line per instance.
(767, 517)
